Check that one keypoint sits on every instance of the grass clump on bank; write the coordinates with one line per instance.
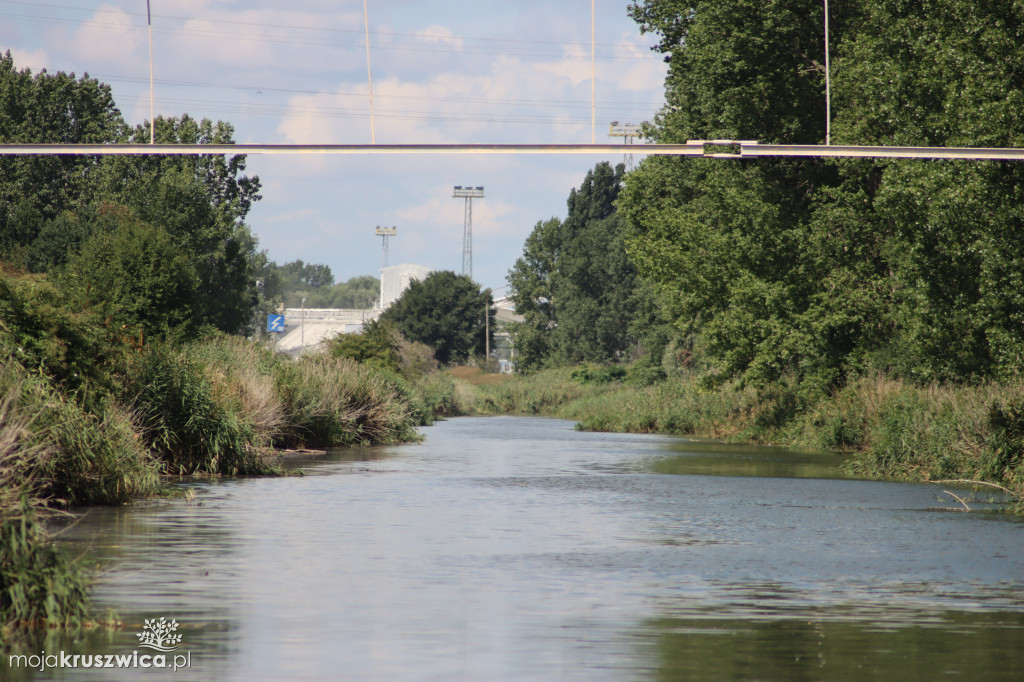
(335, 401)
(38, 583)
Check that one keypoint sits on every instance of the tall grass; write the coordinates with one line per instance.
(98, 458)
(336, 401)
(191, 427)
(241, 374)
(39, 585)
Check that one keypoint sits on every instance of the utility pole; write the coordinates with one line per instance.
(384, 233)
(469, 193)
(303, 323)
(828, 86)
(628, 131)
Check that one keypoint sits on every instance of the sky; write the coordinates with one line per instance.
(442, 72)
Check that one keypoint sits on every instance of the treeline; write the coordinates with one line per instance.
(158, 242)
(286, 285)
(868, 304)
(815, 269)
(824, 269)
(575, 286)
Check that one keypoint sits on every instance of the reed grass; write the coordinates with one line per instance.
(337, 402)
(39, 585)
(189, 425)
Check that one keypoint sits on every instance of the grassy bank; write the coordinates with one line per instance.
(893, 429)
(93, 413)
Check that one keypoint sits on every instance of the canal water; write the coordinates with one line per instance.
(513, 548)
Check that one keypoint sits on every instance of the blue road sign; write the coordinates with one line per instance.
(275, 323)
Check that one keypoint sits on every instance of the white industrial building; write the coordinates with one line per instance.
(396, 279)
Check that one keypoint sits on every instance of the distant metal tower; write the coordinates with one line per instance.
(469, 193)
(384, 233)
(628, 131)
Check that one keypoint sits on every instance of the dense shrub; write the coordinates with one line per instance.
(183, 420)
(336, 401)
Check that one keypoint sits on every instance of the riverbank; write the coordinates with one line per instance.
(91, 414)
(891, 428)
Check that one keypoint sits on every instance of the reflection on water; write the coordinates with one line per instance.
(824, 647)
(712, 458)
(517, 548)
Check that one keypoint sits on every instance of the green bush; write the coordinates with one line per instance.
(598, 374)
(377, 346)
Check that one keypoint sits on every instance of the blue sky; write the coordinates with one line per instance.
(443, 72)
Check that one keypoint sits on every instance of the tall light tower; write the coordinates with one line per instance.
(469, 193)
(628, 131)
(384, 233)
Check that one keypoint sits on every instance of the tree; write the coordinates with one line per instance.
(202, 202)
(446, 312)
(827, 269)
(49, 204)
(574, 284)
(48, 108)
(136, 276)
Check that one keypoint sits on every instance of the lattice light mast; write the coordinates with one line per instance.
(469, 193)
(384, 233)
(628, 131)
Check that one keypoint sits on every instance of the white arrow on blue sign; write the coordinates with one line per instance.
(275, 323)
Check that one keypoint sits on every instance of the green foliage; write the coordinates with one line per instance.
(135, 275)
(821, 270)
(332, 402)
(97, 457)
(190, 427)
(574, 284)
(39, 585)
(597, 374)
(48, 108)
(40, 332)
(286, 285)
(52, 207)
(446, 312)
(377, 345)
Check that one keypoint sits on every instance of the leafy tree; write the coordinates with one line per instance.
(446, 312)
(574, 284)
(49, 204)
(135, 275)
(824, 269)
(202, 202)
(48, 108)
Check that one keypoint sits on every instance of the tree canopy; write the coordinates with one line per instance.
(446, 312)
(62, 214)
(574, 283)
(825, 269)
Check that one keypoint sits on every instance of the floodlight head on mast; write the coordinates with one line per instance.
(470, 192)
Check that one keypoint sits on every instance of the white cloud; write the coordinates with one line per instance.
(109, 39)
(440, 34)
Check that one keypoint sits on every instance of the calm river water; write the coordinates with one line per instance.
(512, 548)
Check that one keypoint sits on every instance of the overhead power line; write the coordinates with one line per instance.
(486, 45)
